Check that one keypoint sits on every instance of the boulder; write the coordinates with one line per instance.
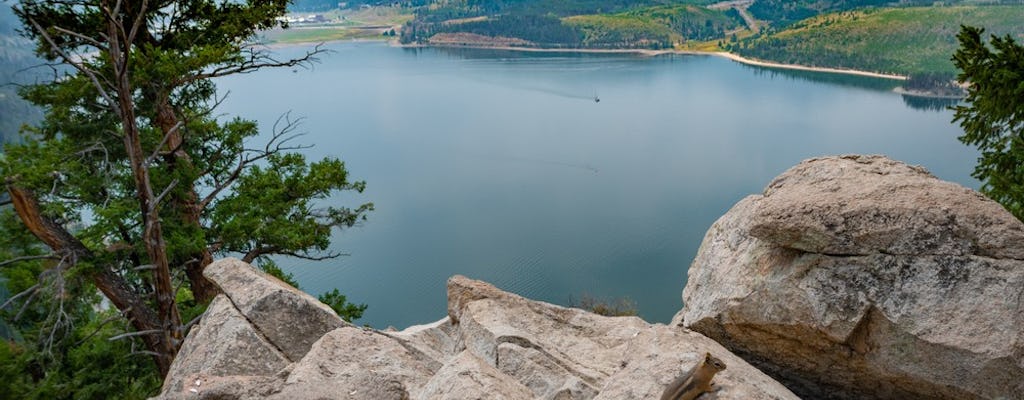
(863, 277)
(492, 345)
(288, 317)
(223, 344)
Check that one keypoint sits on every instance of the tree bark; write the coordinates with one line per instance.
(188, 203)
(119, 50)
(112, 285)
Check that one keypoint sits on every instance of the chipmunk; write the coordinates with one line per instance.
(696, 381)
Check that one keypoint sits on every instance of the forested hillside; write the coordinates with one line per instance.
(658, 27)
(909, 41)
(784, 12)
(577, 23)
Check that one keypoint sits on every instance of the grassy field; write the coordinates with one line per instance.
(897, 40)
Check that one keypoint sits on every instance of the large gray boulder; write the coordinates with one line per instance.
(492, 345)
(288, 317)
(863, 277)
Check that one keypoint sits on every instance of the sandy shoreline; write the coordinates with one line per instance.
(645, 52)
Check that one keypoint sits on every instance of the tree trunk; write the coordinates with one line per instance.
(202, 289)
(167, 316)
(113, 286)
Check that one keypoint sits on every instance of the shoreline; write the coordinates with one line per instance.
(644, 52)
(652, 53)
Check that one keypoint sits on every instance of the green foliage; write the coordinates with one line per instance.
(440, 11)
(267, 265)
(339, 303)
(84, 364)
(139, 182)
(993, 118)
(907, 41)
(543, 30)
(571, 24)
(286, 220)
(57, 346)
(654, 27)
(620, 307)
(785, 12)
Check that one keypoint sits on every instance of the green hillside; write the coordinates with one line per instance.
(576, 23)
(658, 27)
(913, 40)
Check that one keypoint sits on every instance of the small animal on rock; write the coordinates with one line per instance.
(696, 381)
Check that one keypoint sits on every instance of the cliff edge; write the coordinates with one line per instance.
(264, 339)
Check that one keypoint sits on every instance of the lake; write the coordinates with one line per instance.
(501, 166)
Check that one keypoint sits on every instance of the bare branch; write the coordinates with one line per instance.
(76, 64)
(139, 19)
(24, 306)
(327, 256)
(50, 256)
(80, 36)
(136, 333)
(258, 59)
(19, 295)
(160, 197)
(110, 319)
(167, 136)
(185, 328)
(146, 353)
(283, 133)
(259, 251)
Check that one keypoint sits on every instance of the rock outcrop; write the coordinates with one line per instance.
(263, 339)
(863, 277)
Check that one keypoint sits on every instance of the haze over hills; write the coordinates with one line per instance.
(16, 58)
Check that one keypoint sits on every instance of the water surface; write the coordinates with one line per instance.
(501, 166)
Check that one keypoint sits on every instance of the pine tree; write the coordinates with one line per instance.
(993, 116)
(133, 182)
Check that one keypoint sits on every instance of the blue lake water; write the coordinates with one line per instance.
(501, 166)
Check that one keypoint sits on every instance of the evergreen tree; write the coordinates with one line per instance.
(993, 116)
(133, 184)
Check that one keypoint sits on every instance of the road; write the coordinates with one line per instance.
(741, 7)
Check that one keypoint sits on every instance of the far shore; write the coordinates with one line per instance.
(645, 52)
(648, 52)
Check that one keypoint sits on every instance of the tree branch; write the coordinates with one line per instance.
(50, 256)
(77, 65)
(163, 142)
(19, 295)
(327, 256)
(258, 59)
(139, 19)
(185, 328)
(84, 38)
(136, 333)
(160, 197)
(103, 323)
(267, 250)
(275, 145)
